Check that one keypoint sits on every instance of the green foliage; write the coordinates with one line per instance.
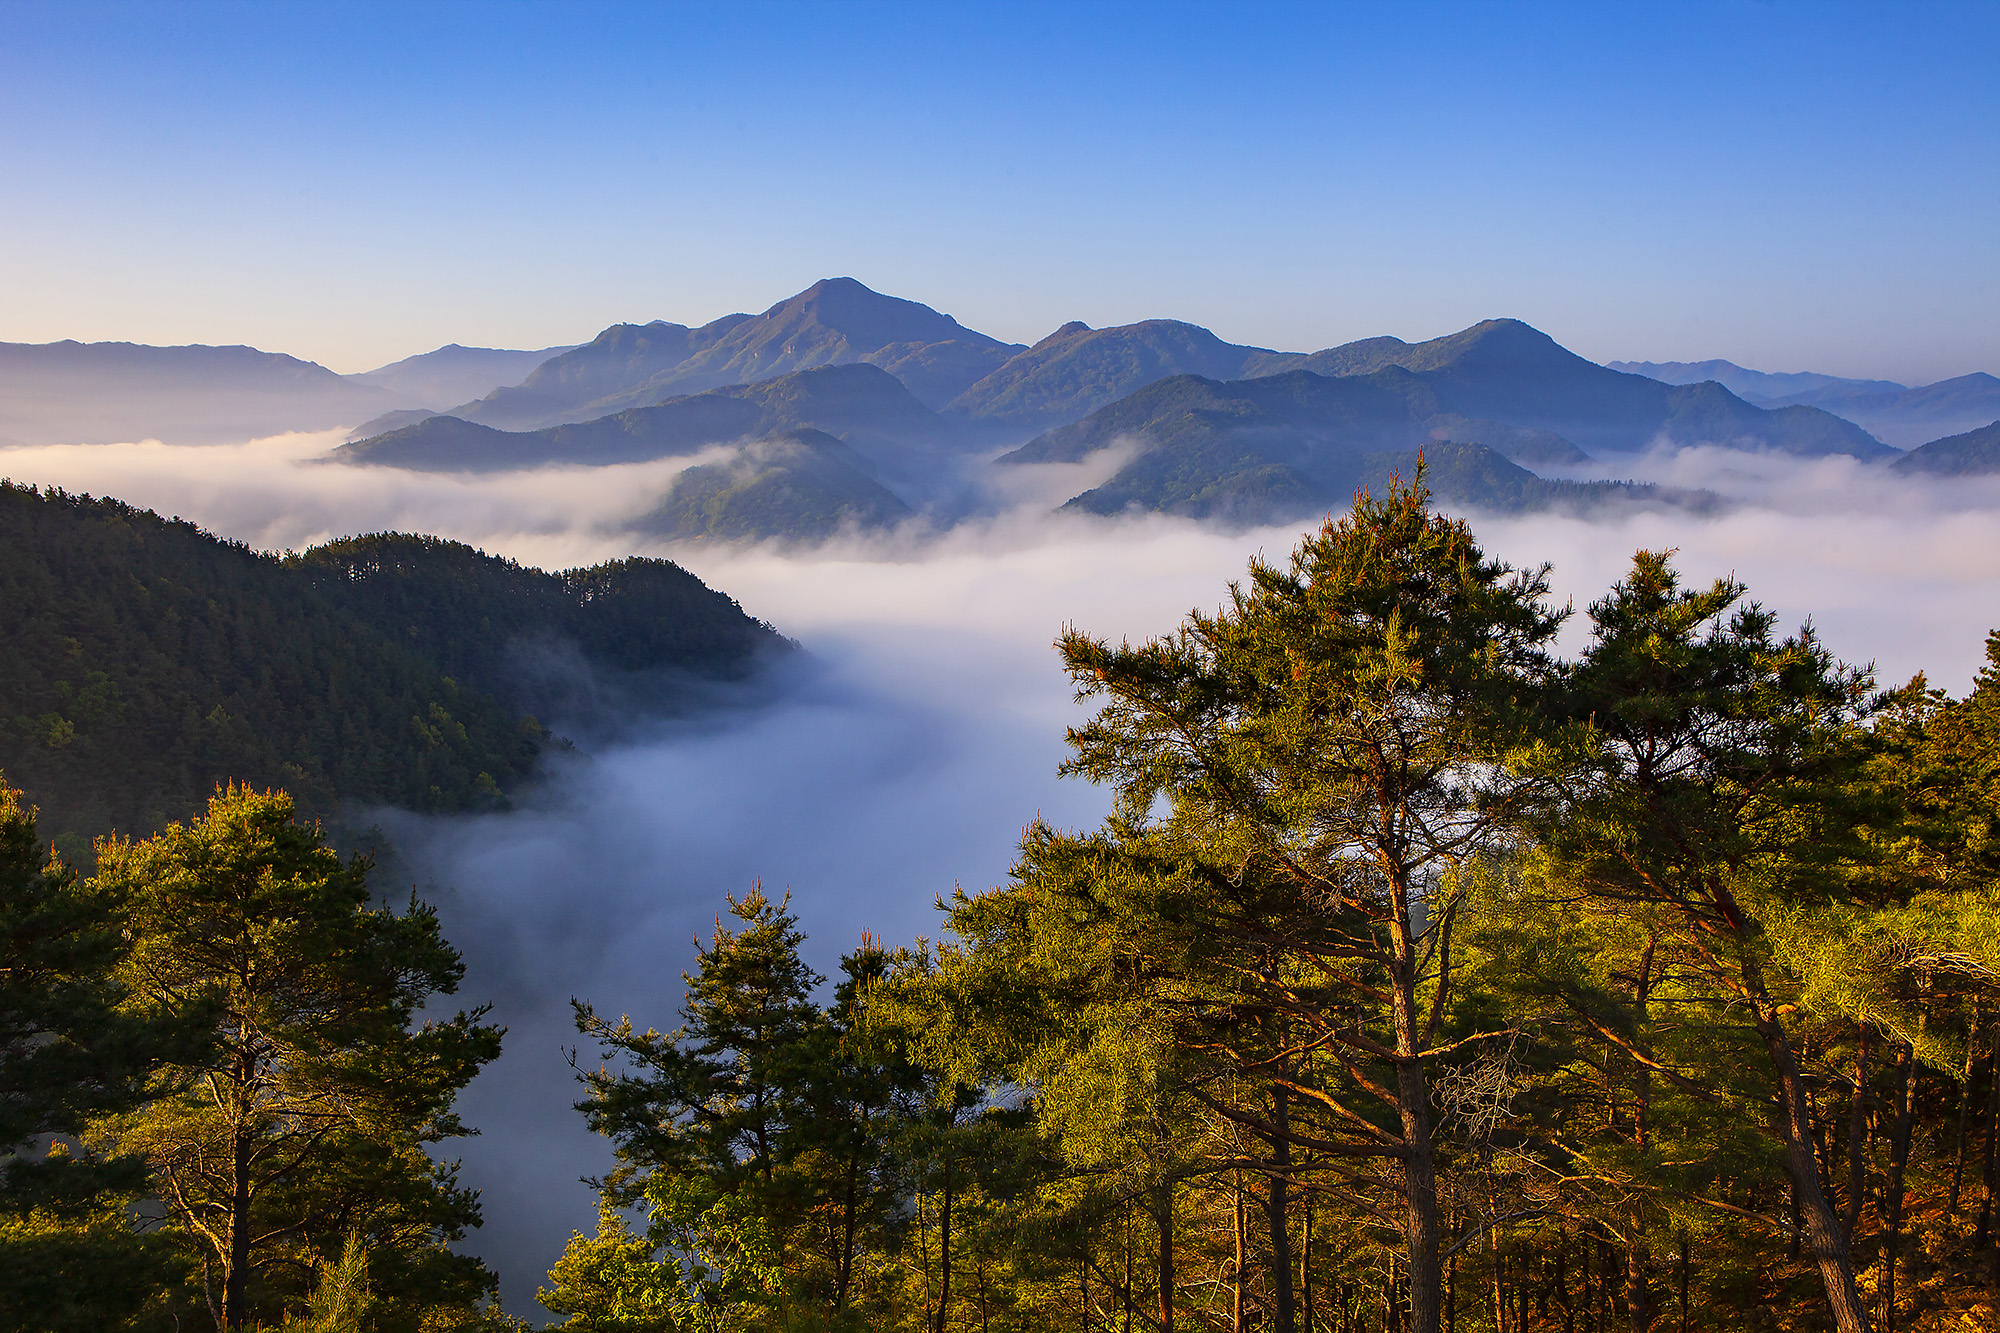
(149, 662)
(341, 1301)
(706, 1264)
(69, 1259)
(1655, 988)
(307, 1117)
(471, 613)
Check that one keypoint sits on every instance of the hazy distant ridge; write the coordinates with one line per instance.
(97, 393)
(1898, 414)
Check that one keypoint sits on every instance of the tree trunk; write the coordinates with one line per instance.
(1125, 1292)
(1638, 1258)
(1283, 1318)
(1684, 1284)
(944, 1253)
(1823, 1230)
(1980, 1240)
(1857, 1155)
(1305, 1268)
(849, 1204)
(1166, 1206)
(1965, 1092)
(237, 1278)
(1414, 1108)
(1892, 1194)
(1562, 1284)
(1242, 1243)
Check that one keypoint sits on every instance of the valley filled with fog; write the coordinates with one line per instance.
(901, 753)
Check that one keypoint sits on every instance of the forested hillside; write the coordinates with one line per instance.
(148, 660)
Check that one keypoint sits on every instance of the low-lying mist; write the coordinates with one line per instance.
(902, 752)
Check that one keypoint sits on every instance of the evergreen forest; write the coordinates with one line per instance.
(1424, 978)
(147, 661)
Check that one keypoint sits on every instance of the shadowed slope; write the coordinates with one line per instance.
(1077, 369)
(149, 660)
(1973, 453)
(860, 404)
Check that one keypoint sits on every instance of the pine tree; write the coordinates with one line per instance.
(1721, 806)
(1304, 779)
(69, 1257)
(711, 1114)
(308, 1116)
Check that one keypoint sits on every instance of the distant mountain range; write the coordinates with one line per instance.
(1286, 445)
(100, 393)
(1912, 416)
(1265, 435)
(843, 406)
(1223, 431)
(454, 374)
(1755, 386)
(1894, 413)
(833, 322)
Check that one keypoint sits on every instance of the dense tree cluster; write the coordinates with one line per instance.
(1421, 980)
(148, 661)
(217, 1091)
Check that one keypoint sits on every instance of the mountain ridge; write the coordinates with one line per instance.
(1762, 387)
(836, 321)
(1275, 444)
(73, 392)
(1078, 369)
(455, 373)
(1971, 453)
(851, 401)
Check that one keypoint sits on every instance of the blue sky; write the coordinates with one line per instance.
(1789, 185)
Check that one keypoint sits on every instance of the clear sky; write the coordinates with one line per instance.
(1789, 185)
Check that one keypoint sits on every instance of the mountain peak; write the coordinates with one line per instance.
(865, 318)
(1069, 330)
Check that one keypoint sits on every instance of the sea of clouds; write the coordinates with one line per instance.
(904, 750)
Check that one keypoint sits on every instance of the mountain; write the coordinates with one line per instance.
(802, 485)
(836, 321)
(612, 363)
(862, 405)
(1078, 369)
(1504, 370)
(1753, 386)
(388, 421)
(148, 660)
(101, 393)
(1912, 416)
(1474, 475)
(1286, 445)
(1973, 453)
(453, 374)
